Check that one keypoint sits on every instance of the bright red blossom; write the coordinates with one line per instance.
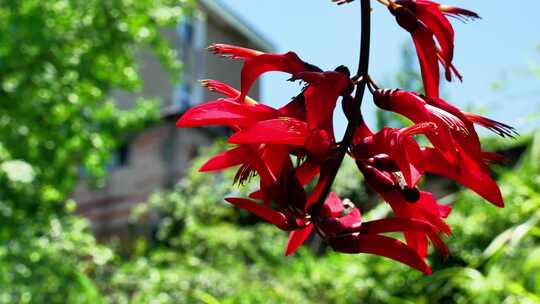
(427, 21)
(294, 145)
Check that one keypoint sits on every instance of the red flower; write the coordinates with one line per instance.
(421, 206)
(427, 21)
(269, 161)
(321, 95)
(265, 213)
(266, 140)
(455, 128)
(471, 174)
(469, 141)
(257, 63)
(345, 232)
(399, 145)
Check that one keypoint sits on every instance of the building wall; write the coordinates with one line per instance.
(157, 157)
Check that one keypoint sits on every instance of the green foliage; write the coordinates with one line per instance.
(59, 64)
(211, 253)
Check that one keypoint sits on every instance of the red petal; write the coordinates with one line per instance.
(444, 210)
(457, 12)
(319, 143)
(227, 159)
(253, 68)
(471, 174)
(254, 158)
(297, 238)
(225, 89)
(440, 26)
(380, 181)
(415, 108)
(402, 150)
(405, 224)
(265, 213)
(426, 208)
(427, 56)
(281, 131)
(417, 241)
(382, 246)
(307, 171)
(332, 206)
(317, 190)
(234, 52)
(429, 209)
(354, 217)
(499, 128)
(276, 159)
(220, 87)
(321, 98)
(258, 195)
(296, 108)
(226, 112)
(468, 140)
(361, 132)
(493, 158)
(218, 112)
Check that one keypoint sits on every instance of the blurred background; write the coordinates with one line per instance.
(100, 199)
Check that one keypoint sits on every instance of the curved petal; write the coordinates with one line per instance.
(405, 224)
(226, 112)
(332, 207)
(254, 67)
(233, 52)
(379, 245)
(265, 213)
(220, 88)
(470, 174)
(297, 237)
(281, 131)
(224, 160)
(494, 126)
(427, 56)
(321, 97)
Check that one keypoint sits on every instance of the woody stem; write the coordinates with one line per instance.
(363, 65)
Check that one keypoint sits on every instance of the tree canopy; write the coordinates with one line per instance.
(59, 63)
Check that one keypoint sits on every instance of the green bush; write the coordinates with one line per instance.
(59, 62)
(208, 252)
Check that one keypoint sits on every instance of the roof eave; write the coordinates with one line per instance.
(238, 24)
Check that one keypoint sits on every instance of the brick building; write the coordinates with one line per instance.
(156, 158)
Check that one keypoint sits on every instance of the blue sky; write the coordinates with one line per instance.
(498, 49)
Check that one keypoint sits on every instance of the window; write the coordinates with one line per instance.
(185, 32)
(191, 44)
(182, 96)
(120, 158)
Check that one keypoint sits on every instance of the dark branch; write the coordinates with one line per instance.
(362, 74)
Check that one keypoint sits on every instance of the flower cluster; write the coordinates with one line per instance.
(295, 145)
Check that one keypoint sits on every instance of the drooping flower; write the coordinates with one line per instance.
(348, 234)
(421, 206)
(434, 16)
(399, 145)
(266, 140)
(456, 128)
(321, 94)
(268, 161)
(340, 224)
(427, 21)
(470, 174)
(257, 63)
